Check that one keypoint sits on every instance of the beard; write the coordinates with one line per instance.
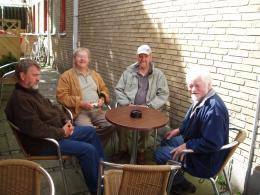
(35, 87)
(195, 97)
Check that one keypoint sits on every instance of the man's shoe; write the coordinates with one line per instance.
(184, 186)
(120, 156)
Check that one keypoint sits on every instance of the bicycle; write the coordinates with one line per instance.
(39, 50)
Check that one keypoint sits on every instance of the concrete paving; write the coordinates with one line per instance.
(10, 149)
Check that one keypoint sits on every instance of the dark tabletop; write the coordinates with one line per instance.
(151, 118)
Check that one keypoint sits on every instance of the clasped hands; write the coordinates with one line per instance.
(68, 128)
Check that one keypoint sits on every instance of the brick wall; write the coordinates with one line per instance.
(62, 42)
(222, 35)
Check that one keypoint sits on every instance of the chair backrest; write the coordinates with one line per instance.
(145, 179)
(137, 179)
(240, 137)
(22, 177)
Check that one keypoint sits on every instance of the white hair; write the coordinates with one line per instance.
(198, 72)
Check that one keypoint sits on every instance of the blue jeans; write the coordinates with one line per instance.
(86, 146)
(162, 155)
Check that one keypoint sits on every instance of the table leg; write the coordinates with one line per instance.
(134, 147)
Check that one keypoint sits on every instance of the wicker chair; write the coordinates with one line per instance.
(129, 179)
(240, 137)
(22, 177)
(17, 132)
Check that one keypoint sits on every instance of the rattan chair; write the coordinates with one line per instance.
(17, 132)
(130, 179)
(231, 147)
(23, 177)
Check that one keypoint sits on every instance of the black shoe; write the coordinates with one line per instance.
(184, 186)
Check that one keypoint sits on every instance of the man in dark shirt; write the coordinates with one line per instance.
(38, 118)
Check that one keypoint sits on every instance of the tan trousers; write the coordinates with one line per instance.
(96, 119)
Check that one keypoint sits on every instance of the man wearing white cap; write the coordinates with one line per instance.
(140, 84)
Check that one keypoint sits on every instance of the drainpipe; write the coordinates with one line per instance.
(75, 23)
(49, 32)
(251, 154)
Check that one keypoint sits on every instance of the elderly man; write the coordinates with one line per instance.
(204, 130)
(140, 84)
(84, 92)
(38, 118)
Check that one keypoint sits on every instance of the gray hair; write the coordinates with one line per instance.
(79, 49)
(23, 66)
(199, 72)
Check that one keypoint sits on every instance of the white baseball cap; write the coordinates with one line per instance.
(144, 49)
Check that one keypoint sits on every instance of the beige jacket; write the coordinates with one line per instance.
(68, 91)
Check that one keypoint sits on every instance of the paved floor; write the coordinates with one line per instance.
(10, 149)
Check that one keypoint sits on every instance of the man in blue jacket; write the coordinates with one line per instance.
(204, 130)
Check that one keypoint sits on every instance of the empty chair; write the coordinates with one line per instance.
(23, 177)
(135, 179)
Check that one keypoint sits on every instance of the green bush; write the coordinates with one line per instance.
(6, 59)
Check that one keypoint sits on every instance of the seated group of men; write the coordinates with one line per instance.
(83, 91)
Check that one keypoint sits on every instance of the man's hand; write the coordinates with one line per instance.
(68, 128)
(86, 105)
(100, 102)
(172, 133)
(178, 152)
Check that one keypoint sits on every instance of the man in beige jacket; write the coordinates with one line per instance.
(84, 92)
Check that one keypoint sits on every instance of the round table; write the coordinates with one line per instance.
(151, 119)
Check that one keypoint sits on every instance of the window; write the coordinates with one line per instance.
(63, 17)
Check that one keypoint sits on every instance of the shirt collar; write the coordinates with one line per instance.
(199, 104)
(80, 73)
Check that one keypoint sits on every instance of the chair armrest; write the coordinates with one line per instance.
(8, 74)
(173, 162)
(224, 147)
(68, 112)
(56, 144)
(112, 165)
(230, 145)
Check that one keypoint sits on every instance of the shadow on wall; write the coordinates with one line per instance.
(114, 40)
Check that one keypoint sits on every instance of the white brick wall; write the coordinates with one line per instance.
(223, 35)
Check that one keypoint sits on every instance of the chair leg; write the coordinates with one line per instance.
(227, 182)
(64, 179)
(155, 139)
(100, 179)
(113, 142)
(170, 182)
(214, 185)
